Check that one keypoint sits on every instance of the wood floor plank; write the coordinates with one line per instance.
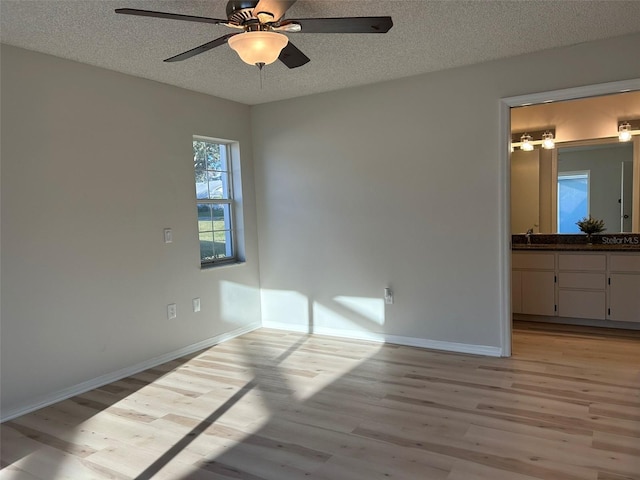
(343, 444)
(528, 466)
(616, 444)
(12, 472)
(350, 468)
(583, 456)
(81, 451)
(464, 470)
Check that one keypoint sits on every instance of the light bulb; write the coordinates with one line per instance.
(547, 141)
(624, 132)
(526, 143)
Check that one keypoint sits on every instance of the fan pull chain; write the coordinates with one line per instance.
(260, 72)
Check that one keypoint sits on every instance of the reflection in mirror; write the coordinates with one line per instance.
(532, 191)
(595, 180)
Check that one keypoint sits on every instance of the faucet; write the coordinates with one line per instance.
(528, 235)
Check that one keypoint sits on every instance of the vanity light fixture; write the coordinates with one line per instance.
(624, 132)
(525, 143)
(547, 140)
(528, 141)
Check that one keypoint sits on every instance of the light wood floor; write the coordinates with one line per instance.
(278, 406)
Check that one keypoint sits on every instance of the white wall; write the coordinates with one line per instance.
(94, 165)
(399, 184)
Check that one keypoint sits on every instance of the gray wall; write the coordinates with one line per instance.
(94, 165)
(399, 184)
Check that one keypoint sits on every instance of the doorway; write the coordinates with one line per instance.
(505, 137)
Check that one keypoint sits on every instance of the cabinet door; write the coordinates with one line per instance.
(538, 293)
(624, 297)
(582, 304)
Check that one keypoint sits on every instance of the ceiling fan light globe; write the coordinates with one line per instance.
(258, 47)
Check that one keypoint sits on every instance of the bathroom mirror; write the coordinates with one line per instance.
(552, 189)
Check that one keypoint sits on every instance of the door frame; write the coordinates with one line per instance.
(504, 119)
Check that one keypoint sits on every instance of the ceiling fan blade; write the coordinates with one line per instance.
(275, 7)
(202, 48)
(292, 57)
(172, 16)
(343, 25)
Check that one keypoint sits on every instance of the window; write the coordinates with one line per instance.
(215, 201)
(573, 200)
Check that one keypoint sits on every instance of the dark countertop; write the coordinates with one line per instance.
(574, 247)
(614, 242)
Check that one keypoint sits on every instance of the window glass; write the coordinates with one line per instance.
(573, 200)
(214, 195)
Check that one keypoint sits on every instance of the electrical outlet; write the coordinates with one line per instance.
(172, 311)
(196, 304)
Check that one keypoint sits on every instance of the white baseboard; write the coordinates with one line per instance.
(385, 338)
(80, 388)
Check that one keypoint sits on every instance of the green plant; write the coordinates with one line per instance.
(590, 225)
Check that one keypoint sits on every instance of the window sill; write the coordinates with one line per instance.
(214, 266)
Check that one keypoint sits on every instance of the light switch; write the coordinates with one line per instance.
(172, 311)
(168, 235)
(388, 296)
(196, 304)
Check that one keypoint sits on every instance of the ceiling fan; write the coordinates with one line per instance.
(261, 24)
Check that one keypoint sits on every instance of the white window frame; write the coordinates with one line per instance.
(231, 235)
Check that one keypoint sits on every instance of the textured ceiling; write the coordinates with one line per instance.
(426, 36)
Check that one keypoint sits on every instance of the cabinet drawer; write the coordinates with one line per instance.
(589, 281)
(581, 304)
(624, 263)
(582, 262)
(533, 261)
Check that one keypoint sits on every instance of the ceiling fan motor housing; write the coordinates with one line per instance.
(240, 11)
